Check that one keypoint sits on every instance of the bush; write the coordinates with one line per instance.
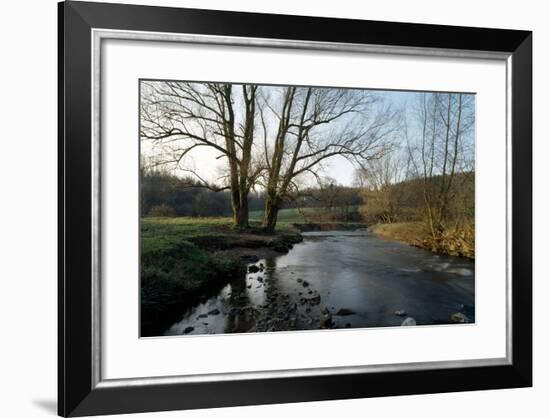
(458, 239)
(162, 211)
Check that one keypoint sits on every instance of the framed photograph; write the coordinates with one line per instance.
(262, 208)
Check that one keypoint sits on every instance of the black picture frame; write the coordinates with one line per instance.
(78, 394)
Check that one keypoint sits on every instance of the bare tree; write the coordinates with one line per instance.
(445, 122)
(382, 183)
(180, 117)
(312, 126)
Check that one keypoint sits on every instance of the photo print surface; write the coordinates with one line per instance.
(269, 208)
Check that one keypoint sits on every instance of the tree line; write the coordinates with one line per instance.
(164, 194)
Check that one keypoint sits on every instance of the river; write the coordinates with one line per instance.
(354, 278)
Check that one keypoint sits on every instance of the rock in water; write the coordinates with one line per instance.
(214, 312)
(324, 310)
(345, 312)
(408, 322)
(326, 322)
(253, 269)
(188, 330)
(305, 283)
(315, 300)
(400, 312)
(459, 318)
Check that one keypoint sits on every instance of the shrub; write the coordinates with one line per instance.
(162, 211)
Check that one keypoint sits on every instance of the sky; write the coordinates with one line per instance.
(342, 170)
(206, 163)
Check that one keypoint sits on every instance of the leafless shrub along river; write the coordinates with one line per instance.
(338, 279)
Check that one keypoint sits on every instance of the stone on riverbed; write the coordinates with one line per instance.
(188, 330)
(315, 300)
(202, 316)
(253, 269)
(408, 322)
(305, 283)
(345, 312)
(326, 322)
(400, 312)
(214, 312)
(459, 318)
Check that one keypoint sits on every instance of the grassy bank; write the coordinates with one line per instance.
(185, 259)
(307, 215)
(456, 241)
(288, 215)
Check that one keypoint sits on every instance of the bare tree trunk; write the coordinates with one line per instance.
(241, 217)
(270, 215)
(273, 199)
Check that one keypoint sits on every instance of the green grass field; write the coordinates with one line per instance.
(285, 215)
(163, 233)
(293, 215)
(159, 234)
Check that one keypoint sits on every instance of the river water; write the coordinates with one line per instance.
(353, 277)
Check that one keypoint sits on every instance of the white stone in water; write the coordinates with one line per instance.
(408, 322)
